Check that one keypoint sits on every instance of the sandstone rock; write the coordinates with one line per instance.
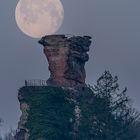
(66, 57)
(23, 133)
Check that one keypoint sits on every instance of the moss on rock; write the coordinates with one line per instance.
(50, 113)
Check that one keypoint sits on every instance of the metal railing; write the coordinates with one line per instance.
(36, 82)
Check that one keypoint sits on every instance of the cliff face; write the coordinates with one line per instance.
(66, 57)
(54, 111)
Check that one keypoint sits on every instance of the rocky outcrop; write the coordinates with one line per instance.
(23, 132)
(66, 57)
(60, 96)
(54, 113)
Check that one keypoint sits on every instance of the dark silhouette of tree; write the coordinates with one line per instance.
(10, 135)
(104, 113)
(115, 117)
(1, 121)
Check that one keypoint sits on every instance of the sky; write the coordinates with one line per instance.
(114, 26)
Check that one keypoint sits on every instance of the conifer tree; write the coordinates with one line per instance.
(117, 119)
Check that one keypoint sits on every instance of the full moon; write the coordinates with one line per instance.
(37, 18)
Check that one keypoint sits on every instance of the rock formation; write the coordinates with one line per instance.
(61, 96)
(66, 57)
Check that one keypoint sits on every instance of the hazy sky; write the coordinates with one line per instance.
(114, 26)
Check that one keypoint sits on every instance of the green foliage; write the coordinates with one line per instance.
(49, 114)
(105, 112)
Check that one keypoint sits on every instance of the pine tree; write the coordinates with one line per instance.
(115, 117)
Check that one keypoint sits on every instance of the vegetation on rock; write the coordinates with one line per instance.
(101, 112)
(50, 114)
(108, 114)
